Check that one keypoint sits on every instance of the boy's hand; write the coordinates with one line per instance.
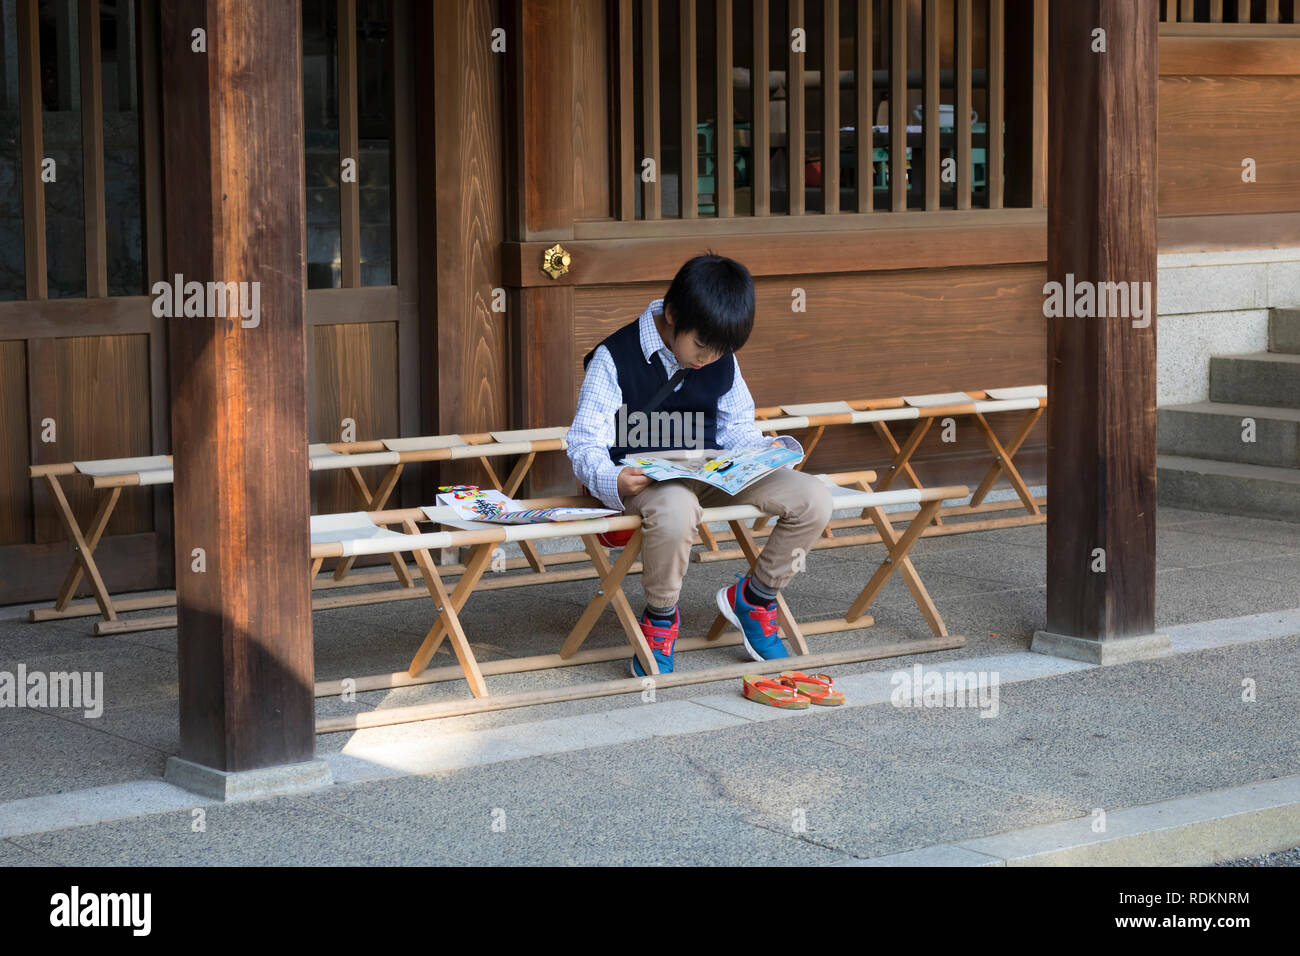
(632, 481)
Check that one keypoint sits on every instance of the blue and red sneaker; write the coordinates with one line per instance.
(660, 635)
(757, 625)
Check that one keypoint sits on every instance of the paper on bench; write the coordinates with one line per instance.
(929, 401)
(123, 466)
(1023, 391)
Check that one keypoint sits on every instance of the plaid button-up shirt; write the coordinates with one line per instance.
(593, 431)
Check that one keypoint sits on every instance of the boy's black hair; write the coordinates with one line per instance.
(713, 296)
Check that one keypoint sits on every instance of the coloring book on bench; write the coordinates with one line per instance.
(730, 471)
(477, 504)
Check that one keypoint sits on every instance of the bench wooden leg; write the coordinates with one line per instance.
(375, 502)
(897, 560)
(84, 547)
(474, 568)
(611, 590)
(1002, 460)
(449, 624)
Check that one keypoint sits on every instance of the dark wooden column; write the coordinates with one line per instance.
(233, 168)
(540, 91)
(1101, 371)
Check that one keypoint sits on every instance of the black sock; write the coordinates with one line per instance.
(757, 594)
(661, 614)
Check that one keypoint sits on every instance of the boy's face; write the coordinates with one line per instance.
(687, 347)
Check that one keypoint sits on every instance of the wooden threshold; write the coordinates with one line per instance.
(629, 685)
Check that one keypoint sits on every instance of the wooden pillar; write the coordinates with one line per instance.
(540, 92)
(460, 193)
(1101, 369)
(233, 169)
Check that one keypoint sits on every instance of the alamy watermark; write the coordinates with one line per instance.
(208, 300)
(1088, 300)
(658, 429)
(67, 689)
(934, 688)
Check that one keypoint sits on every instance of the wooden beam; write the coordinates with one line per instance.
(1229, 56)
(30, 109)
(651, 194)
(898, 105)
(540, 318)
(349, 147)
(865, 120)
(762, 148)
(962, 108)
(626, 174)
(1040, 104)
(863, 243)
(1102, 371)
(689, 95)
(150, 124)
(997, 103)
(92, 148)
(830, 107)
(234, 175)
(725, 174)
(930, 103)
(795, 116)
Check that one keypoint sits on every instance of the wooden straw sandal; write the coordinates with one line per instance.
(774, 693)
(816, 687)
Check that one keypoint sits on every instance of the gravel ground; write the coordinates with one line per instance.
(1282, 858)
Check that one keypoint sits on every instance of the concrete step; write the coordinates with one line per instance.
(1284, 331)
(1214, 430)
(1198, 484)
(1260, 378)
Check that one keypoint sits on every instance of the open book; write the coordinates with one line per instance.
(729, 471)
(472, 503)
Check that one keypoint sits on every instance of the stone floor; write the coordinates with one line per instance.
(865, 781)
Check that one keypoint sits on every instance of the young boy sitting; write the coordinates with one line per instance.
(679, 357)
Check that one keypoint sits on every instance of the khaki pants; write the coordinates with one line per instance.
(670, 512)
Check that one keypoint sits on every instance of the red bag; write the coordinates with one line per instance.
(615, 539)
(611, 539)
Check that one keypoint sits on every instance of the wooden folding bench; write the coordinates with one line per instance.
(360, 533)
(923, 411)
(109, 476)
(112, 475)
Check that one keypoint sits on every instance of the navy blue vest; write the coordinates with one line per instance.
(640, 380)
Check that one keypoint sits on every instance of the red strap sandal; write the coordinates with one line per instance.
(765, 690)
(816, 687)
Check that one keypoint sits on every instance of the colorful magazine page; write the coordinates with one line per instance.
(472, 503)
(731, 472)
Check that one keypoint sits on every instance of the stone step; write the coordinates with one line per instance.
(1199, 484)
(1260, 378)
(1284, 331)
(1214, 430)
